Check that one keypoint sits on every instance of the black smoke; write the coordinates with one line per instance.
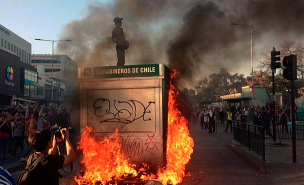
(194, 36)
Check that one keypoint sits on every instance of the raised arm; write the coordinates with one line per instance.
(70, 157)
(41, 110)
(27, 110)
(53, 150)
(36, 107)
(9, 116)
(58, 110)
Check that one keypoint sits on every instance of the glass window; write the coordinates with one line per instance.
(32, 77)
(32, 91)
(26, 90)
(35, 91)
(26, 74)
(21, 53)
(40, 90)
(4, 41)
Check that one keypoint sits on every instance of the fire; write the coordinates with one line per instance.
(179, 143)
(105, 161)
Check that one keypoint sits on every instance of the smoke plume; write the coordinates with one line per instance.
(194, 36)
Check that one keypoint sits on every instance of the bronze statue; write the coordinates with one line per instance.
(122, 44)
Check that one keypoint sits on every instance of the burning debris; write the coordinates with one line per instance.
(105, 162)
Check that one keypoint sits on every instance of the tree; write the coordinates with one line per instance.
(286, 48)
(219, 84)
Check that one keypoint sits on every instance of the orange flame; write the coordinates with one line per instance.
(105, 161)
(179, 143)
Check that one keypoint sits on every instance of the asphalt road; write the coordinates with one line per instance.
(212, 162)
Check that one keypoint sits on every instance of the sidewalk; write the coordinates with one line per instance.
(277, 154)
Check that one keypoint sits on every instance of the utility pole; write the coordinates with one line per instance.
(274, 65)
(290, 73)
(293, 126)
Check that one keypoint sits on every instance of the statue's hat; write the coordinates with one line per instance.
(117, 19)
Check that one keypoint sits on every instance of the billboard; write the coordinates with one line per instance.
(9, 74)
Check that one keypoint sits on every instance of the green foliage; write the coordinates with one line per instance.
(219, 84)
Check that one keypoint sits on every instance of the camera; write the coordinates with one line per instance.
(58, 132)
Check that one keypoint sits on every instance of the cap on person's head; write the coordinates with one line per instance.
(117, 19)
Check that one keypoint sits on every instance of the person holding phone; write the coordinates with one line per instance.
(45, 144)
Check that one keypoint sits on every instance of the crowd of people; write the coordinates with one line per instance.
(256, 115)
(16, 123)
(44, 136)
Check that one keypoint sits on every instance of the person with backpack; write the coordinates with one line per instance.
(42, 166)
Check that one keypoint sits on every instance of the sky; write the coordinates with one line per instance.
(192, 36)
(42, 19)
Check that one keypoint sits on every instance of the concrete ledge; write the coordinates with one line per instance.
(248, 159)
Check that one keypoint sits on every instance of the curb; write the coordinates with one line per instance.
(246, 158)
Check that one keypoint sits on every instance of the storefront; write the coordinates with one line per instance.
(12, 77)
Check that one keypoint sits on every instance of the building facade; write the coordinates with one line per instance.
(64, 73)
(61, 64)
(12, 43)
(18, 79)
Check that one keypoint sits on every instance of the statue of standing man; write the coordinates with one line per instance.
(122, 44)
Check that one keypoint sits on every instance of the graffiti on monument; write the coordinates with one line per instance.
(121, 111)
(135, 147)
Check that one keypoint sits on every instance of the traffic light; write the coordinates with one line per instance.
(290, 71)
(274, 58)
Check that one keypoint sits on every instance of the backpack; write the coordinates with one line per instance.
(30, 176)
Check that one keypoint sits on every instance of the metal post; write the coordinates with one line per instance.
(251, 63)
(273, 107)
(263, 139)
(52, 67)
(294, 155)
(248, 136)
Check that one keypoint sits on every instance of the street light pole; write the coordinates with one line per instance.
(251, 51)
(251, 62)
(53, 57)
(52, 69)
